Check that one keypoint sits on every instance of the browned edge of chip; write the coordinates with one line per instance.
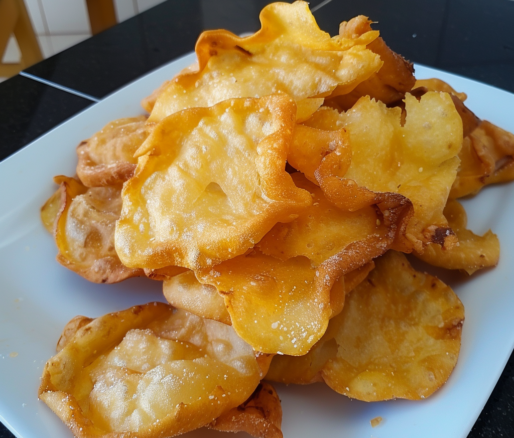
(100, 175)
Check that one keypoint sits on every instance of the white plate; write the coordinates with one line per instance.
(38, 296)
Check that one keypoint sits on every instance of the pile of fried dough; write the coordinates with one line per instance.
(273, 189)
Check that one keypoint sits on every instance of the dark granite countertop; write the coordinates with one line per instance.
(472, 38)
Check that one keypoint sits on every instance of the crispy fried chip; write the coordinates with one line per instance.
(165, 273)
(303, 370)
(487, 158)
(213, 183)
(107, 158)
(469, 120)
(50, 211)
(259, 416)
(345, 285)
(148, 371)
(149, 102)
(84, 232)
(473, 252)
(397, 337)
(290, 54)
(390, 83)
(322, 230)
(418, 160)
(324, 156)
(70, 329)
(435, 84)
(487, 154)
(280, 297)
(276, 306)
(184, 291)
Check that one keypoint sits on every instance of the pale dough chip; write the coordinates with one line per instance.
(148, 371)
(418, 160)
(107, 158)
(398, 336)
(472, 253)
(211, 184)
(84, 232)
(290, 55)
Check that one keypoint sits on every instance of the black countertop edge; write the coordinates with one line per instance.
(33, 109)
(472, 38)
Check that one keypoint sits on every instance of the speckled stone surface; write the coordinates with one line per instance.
(28, 109)
(497, 418)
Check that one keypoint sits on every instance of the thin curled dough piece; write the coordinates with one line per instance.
(289, 54)
(148, 371)
(210, 183)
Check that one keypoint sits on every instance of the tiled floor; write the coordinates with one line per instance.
(60, 24)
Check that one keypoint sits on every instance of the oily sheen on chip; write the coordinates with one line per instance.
(269, 190)
(397, 337)
(210, 183)
(289, 55)
(148, 371)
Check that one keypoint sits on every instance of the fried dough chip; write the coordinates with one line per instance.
(259, 416)
(213, 183)
(418, 160)
(487, 154)
(50, 210)
(435, 84)
(350, 281)
(280, 296)
(278, 307)
(469, 120)
(322, 231)
(84, 232)
(149, 102)
(303, 370)
(289, 54)
(148, 371)
(166, 273)
(473, 252)
(184, 291)
(107, 158)
(72, 327)
(487, 158)
(398, 337)
(390, 83)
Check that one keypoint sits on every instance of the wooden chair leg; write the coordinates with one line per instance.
(14, 19)
(8, 17)
(102, 15)
(26, 37)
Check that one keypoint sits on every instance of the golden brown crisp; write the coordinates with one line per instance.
(390, 83)
(107, 158)
(417, 160)
(288, 55)
(84, 232)
(149, 371)
(472, 253)
(398, 336)
(259, 416)
(210, 183)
